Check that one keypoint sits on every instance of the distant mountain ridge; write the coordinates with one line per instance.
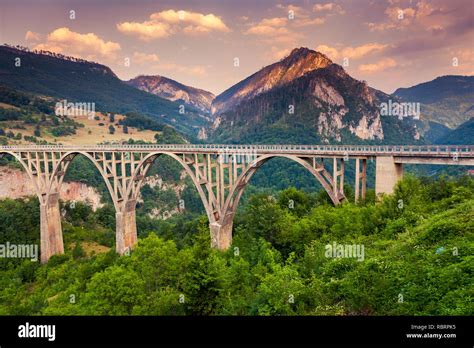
(448, 100)
(462, 135)
(172, 90)
(296, 64)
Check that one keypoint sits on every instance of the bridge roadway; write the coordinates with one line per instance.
(219, 172)
(434, 151)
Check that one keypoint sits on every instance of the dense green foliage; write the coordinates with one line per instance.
(134, 119)
(417, 261)
(464, 134)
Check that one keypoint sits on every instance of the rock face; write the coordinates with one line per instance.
(165, 211)
(202, 135)
(16, 184)
(299, 62)
(174, 91)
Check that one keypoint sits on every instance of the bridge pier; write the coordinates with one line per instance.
(126, 228)
(221, 235)
(51, 233)
(360, 178)
(387, 174)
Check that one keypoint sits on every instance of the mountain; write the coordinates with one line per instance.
(462, 135)
(305, 98)
(299, 62)
(76, 80)
(448, 100)
(432, 131)
(172, 90)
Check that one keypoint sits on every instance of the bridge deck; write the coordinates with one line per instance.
(424, 151)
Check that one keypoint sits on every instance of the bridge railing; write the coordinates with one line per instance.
(340, 149)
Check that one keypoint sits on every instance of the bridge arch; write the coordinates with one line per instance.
(238, 188)
(125, 200)
(63, 164)
(222, 230)
(139, 174)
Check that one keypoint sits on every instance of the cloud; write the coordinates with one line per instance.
(145, 31)
(465, 60)
(32, 36)
(269, 27)
(328, 7)
(362, 51)
(331, 52)
(208, 22)
(420, 16)
(351, 52)
(166, 23)
(308, 22)
(283, 29)
(380, 26)
(141, 58)
(466, 55)
(381, 65)
(396, 18)
(88, 46)
(300, 16)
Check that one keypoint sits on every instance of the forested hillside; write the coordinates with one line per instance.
(417, 260)
(82, 81)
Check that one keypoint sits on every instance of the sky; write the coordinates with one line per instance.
(215, 44)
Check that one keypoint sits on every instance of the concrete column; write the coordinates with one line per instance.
(126, 228)
(51, 232)
(360, 178)
(221, 235)
(387, 174)
(364, 177)
(357, 180)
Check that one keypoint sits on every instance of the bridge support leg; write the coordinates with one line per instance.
(360, 178)
(387, 174)
(51, 232)
(338, 179)
(126, 228)
(221, 235)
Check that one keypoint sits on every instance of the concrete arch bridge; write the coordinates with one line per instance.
(219, 172)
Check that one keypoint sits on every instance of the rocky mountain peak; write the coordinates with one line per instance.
(172, 90)
(312, 59)
(296, 64)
